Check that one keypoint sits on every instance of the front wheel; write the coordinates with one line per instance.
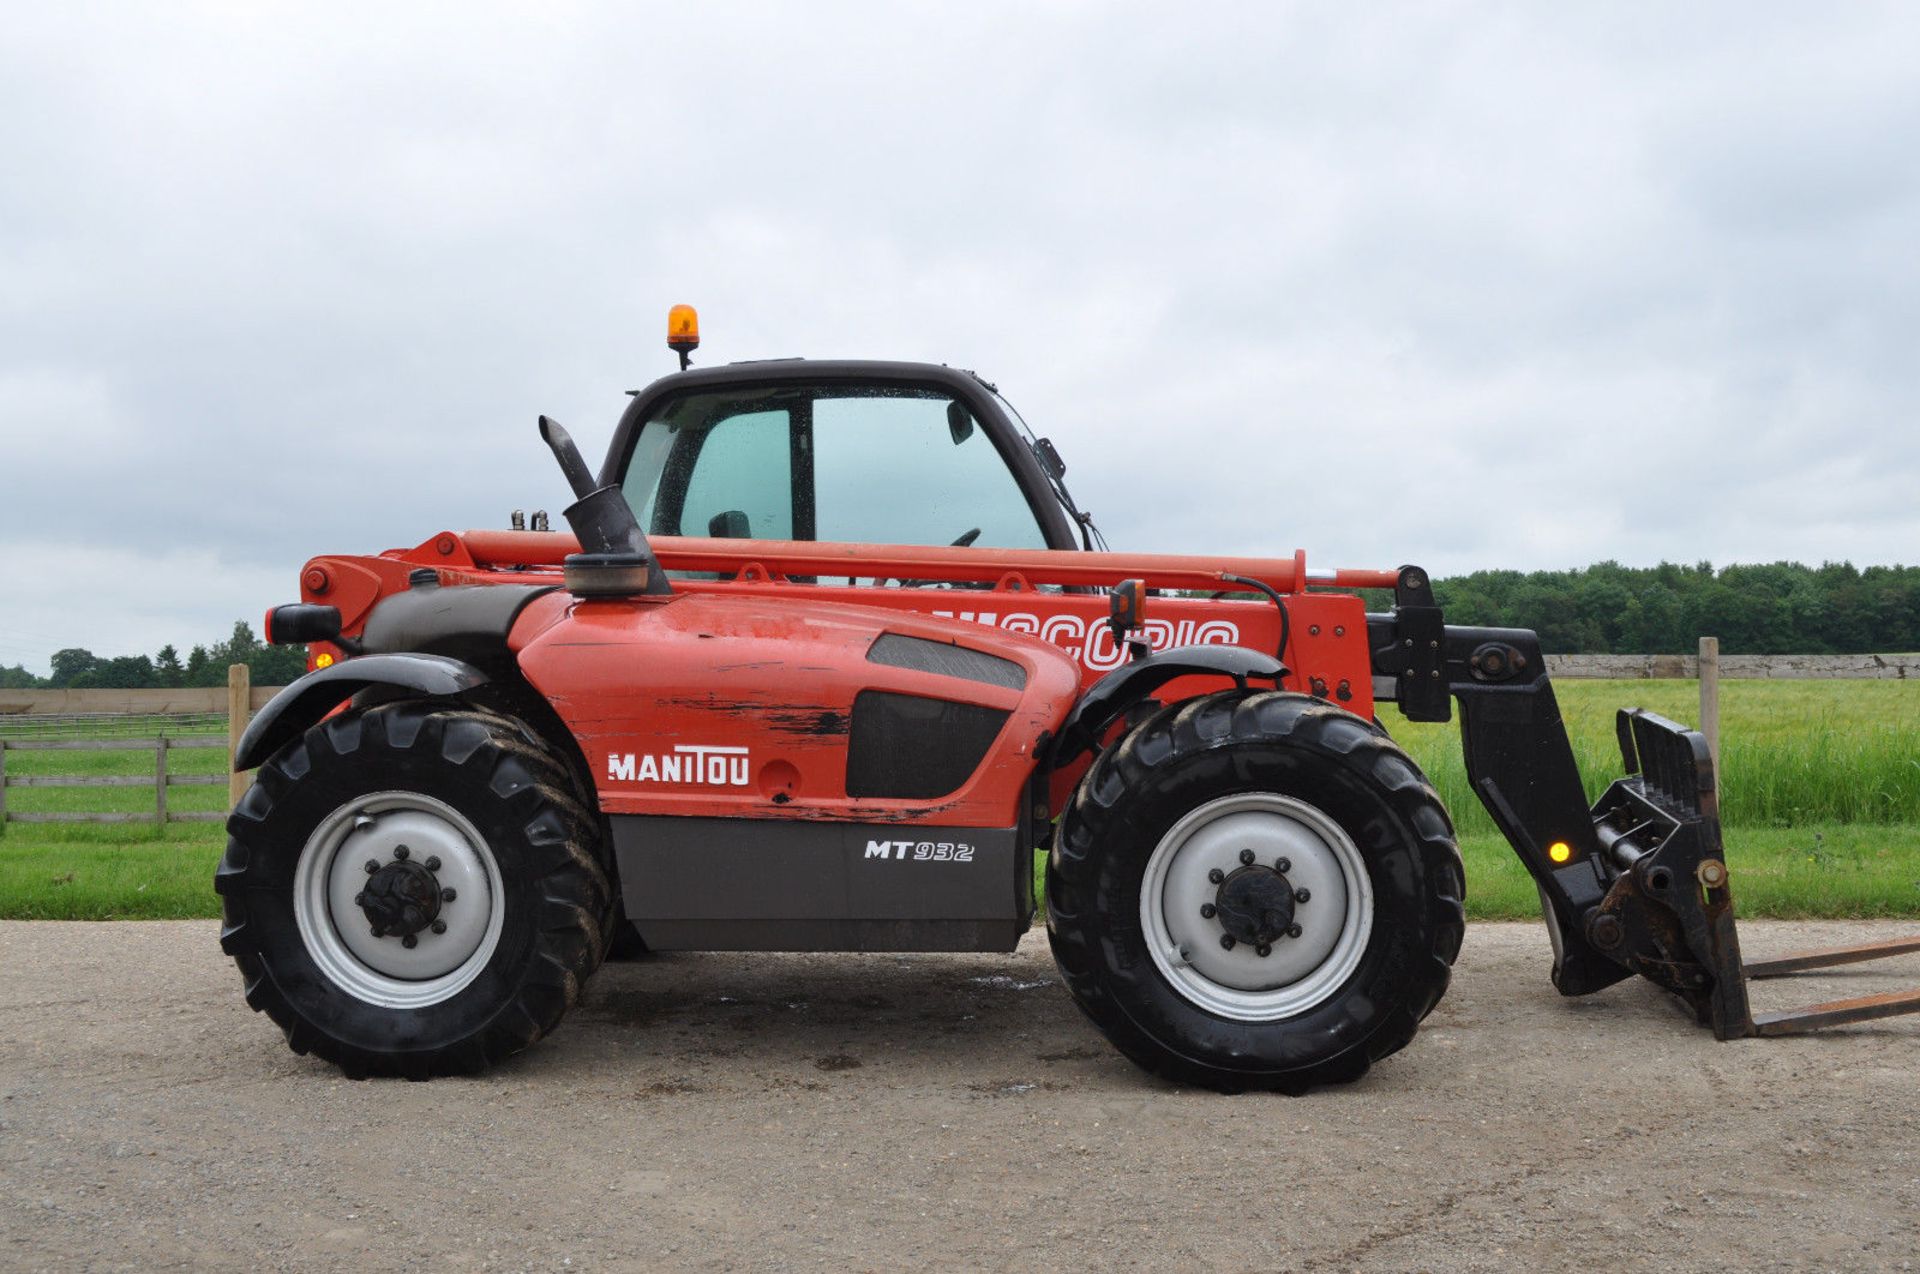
(413, 890)
(1255, 890)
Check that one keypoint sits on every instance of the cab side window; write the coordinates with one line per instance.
(744, 467)
(727, 474)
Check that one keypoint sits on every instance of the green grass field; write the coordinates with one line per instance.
(1821, 798)
(1792, 752)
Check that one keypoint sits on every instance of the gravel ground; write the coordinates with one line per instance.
(947, 1112)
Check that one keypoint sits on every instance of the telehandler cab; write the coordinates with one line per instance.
(830, 652)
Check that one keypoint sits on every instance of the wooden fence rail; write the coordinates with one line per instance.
(60, 713)
(1739, 667)
(167, 736)
(169, 703)
(160, 781)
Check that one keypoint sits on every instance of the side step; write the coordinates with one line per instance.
(1668, 914)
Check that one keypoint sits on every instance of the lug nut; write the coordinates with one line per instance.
(1216, 876)
(1246, 857)
(1226, 940)
(360, 899)
(1293, 931)
(372, 867)
(409, 942)
(1302, 895)
(1206, 911)
(379, 931)
(433, 864)
(439, 926)
(1283, 866)
(1263, 951)
(401, 852)
(446, 895)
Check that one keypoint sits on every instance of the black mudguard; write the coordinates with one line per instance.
(308, 700)
(465, 621)
(1128, 684)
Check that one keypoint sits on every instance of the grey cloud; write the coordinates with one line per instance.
(1474, 285)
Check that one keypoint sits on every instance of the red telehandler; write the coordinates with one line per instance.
(830, 652)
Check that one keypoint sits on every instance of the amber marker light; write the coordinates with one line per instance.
(323, 660)
(1560, 851)
(683, 332)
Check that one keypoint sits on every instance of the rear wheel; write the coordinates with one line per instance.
(413, 890)
(1255, 890)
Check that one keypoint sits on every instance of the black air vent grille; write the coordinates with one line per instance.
(908, 748)
(946, 660)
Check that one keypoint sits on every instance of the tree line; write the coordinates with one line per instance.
(204, 666)
(1781, 608)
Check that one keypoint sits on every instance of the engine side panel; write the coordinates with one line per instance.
(742, 706)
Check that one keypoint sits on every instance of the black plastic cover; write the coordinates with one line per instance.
(299, 623)
(1110, 697)
(759, 884)
(905, 747)
(467, 621)
(946, 660)
(289, 713)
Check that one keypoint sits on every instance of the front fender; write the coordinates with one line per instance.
(305, 702)
(1128, 684)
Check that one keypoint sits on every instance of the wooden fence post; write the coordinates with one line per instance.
(3, 787)
(239, 709)
(1710, 699)
(160, 786)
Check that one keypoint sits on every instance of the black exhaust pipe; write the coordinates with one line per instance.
(615, 558)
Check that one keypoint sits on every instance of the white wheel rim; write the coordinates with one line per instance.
(381, 970)
(1238, 983)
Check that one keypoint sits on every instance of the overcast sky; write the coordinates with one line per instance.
(1466, 285)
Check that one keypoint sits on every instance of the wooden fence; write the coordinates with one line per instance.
(1739, 667)
(19, 705)
(98, 720)
(160, 781)
(59, 732)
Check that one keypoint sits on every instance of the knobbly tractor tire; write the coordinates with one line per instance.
(1255, 890)
(413, 889)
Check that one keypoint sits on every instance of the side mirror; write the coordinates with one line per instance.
(959, 423)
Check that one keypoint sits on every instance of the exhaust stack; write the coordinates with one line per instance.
(615, 558)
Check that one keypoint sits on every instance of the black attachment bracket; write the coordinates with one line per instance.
(1413, 653)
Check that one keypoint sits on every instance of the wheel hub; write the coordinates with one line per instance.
(1255, 905)
(401, 899)
(398, 899)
